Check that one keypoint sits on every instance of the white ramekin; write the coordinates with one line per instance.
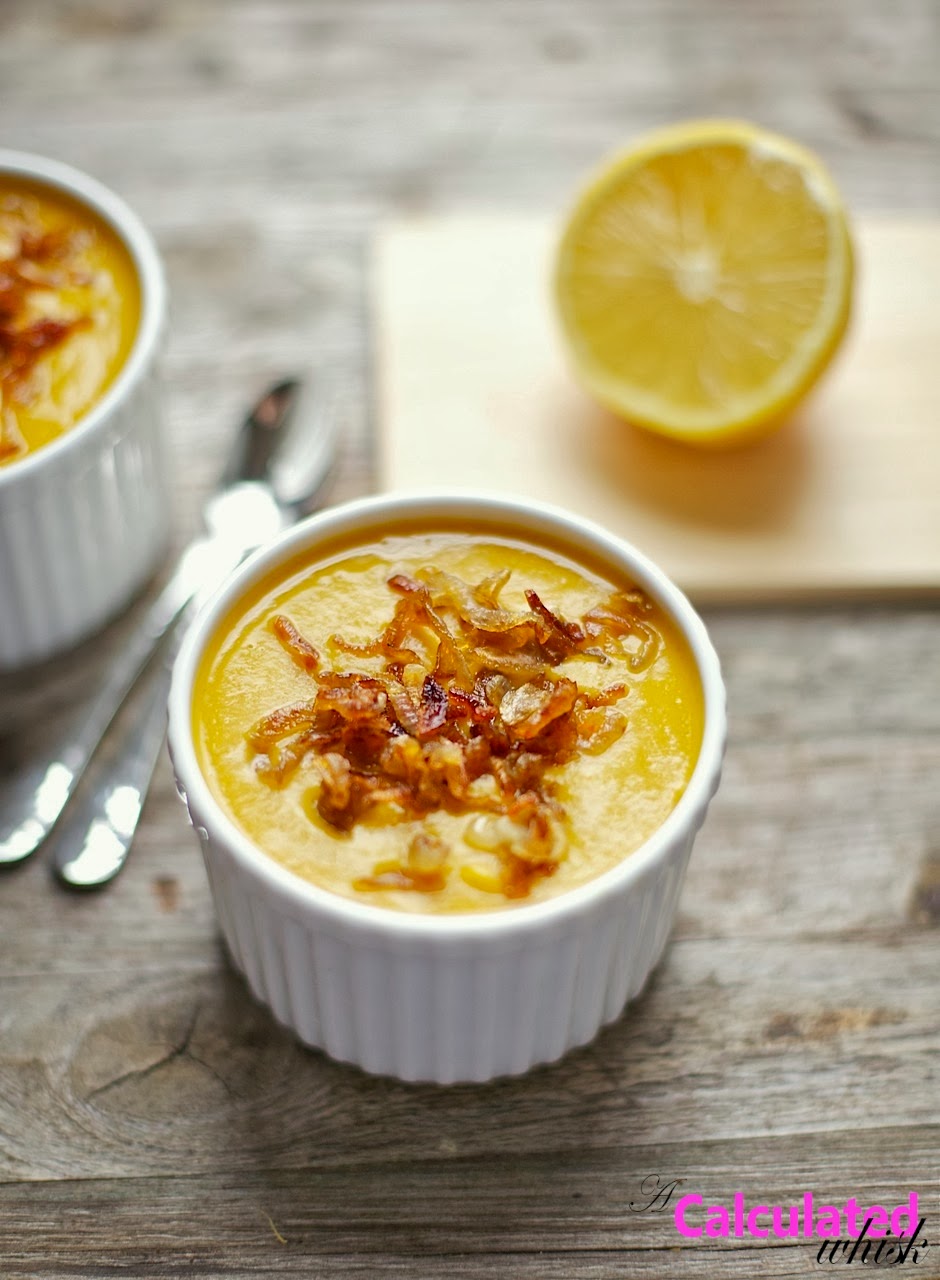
(84, 520)
(458, 997)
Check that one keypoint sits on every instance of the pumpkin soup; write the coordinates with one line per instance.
(437, 720)
(69, 311)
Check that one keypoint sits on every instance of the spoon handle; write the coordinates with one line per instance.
(94, 836)
(41, 792)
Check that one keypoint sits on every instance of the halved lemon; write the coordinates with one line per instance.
(704, 280)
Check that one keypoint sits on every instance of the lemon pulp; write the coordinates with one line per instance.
(704, 280)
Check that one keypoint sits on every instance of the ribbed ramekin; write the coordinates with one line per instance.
(84, 520)
(457, 997)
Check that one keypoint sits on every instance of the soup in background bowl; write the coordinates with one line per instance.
(69, 312)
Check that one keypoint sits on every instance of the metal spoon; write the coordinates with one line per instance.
(94, 837)
(239, 516)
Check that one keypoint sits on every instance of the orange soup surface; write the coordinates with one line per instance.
(439, 720)
(69, 313)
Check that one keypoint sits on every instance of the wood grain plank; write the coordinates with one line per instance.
(577, 1209)
(731, 1039)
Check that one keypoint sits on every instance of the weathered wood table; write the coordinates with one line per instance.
(153, 1120)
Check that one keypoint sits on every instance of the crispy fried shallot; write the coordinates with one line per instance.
(425, 869)
(464, 714)
(531, 708)
(619, 617)
(599, 728)
(301, 650)
(281, 724)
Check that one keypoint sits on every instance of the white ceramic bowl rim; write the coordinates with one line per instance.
(139, 243)
(530, 519)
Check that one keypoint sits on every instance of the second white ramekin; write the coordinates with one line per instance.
(84, 520)
(458, 997)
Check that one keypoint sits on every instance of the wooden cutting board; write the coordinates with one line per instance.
(473, 392)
